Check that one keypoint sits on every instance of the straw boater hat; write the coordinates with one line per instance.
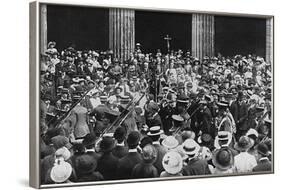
(223, 159)
(223, 136)
(243, 144)
(61, 171)
(190, 147)
(177, 118)
(155, 130)
(103, 99)
(172, 162)
(170, 142)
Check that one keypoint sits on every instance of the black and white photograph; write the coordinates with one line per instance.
(135, 94)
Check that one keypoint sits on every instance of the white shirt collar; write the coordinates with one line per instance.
(90, 150)
(263, 158)
(133, 150)
(120, 144)
(155, 142)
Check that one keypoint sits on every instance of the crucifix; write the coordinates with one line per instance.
(168, 39)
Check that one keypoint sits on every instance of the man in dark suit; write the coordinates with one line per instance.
(263, 164)
(107, 164)
(154, 133)
(195, 165)
(89, 143)
(121, 149)
(239, 112)
(127, 163)
(205, 117)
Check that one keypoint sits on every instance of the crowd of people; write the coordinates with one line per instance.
(153, 115)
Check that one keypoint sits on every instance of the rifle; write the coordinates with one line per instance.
(118, 121)
(64, 116)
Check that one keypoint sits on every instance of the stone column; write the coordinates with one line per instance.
(203, 35)
(43, 28)
(269, 41)
(121, 32)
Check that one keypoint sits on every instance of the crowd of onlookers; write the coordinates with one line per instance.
(152, 115)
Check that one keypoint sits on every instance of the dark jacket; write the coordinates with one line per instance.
(154, 121)
(263, 165)
(144, 170)
(120, 151)
(196, 166)
(127, 164)
(240, 115)
(205, 118)
(161, 151)
(166, 117)
(107, 166)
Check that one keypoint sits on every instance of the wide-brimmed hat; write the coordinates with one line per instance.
(252, 133)
(85, 164)
(177, 118)
(243, 144)
(63, 152)
(133, 138)
(223, 159)
(190, 147)
(172, 162)
(170, 142)
(155, 130)
(107, 144)
(61, 171)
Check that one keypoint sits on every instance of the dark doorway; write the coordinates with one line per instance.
(239, 35)
(152, 27)
(86, 28)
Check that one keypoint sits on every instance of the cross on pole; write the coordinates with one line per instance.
(168, 39)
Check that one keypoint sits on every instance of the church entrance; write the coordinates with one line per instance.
(82, 27)
(151, 27)
(237, 35)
